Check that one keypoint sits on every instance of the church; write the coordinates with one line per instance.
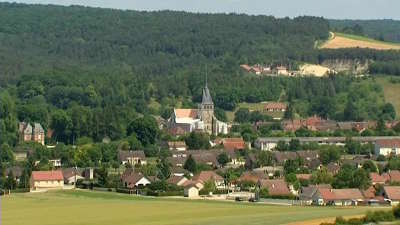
(202, 119)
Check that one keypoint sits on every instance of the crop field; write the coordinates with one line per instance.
(102, 208)
(339, 40)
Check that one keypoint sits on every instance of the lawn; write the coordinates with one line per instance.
(99, 208)
(391, 92)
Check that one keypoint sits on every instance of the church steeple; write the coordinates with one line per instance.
(206, 93)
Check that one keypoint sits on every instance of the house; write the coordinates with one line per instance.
(231, 144)
(177, 162)
(387, 147)
(275, 107)
(133, 180)
(306, 193)
(275, 187)
(179, 171)
(392, 176)
(44, 180)
(72, 175)
(201, 119)
(56, 163)
(270, 171)
(207, 176)
(177, 146)
(333, 168)
(252, 176)
(177, 180)
(337, 197)
(303, 176)
(191, 191)
(246, 67)
(281, 70)
(282, 157)
(377, 179)
(392, 193)
(207, 157)
(34, 133)
(132, 157)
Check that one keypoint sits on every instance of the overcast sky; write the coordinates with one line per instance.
(337, 9)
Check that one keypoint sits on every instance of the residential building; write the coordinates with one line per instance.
(177, 146)
(231, 144)
(275, 107)
(191, 191)
(72, 175)
(34, 133)
(337, 197)
(392, 193)
(387, 147)
(207, 176)
(177, 180)
(275, 187)
(45, 180)
(377, 179)
(133, 180)
(132, 157)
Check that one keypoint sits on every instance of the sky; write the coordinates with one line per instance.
(332, 9)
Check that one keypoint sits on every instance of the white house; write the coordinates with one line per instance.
(387, 147)
(44, 180)
(135, 180)
(191, 191)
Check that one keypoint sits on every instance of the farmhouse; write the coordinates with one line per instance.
(177, 146)
(387, 147)
(132, 157)
(44, 180)
(275, 107)
(29, 133)
(392, 193)
(202, 119)
(337, 197)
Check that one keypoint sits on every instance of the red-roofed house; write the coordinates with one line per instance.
(205, 176)
(393, 194)
(387, 147)
(392, 176)
(232, 144)
(44, 180)
(377, 179)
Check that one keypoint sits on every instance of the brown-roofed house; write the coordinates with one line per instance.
(177, 146)
(377, 179)
(275, 187)
(275, 107)
(134, 180)
(206, 176)
(392, 176)
(177, 180)
(338, 197)
(132, 157)
(44, 180)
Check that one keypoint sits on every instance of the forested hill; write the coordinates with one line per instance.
(36, 38)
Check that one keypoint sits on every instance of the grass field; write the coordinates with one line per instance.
(98, 208)
(391, 92)
(339, 40)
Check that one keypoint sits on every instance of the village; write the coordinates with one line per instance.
(300, 170)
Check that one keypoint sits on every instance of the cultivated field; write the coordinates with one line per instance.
(339, 40)
(98, 208)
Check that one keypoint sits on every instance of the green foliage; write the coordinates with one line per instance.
(190, 164)
(321, 177)
(348, 177)
(197, 140)
(370, 166)
(163, 169)
(145, 129)
(223, 159)
(265, 158)
(330, 154)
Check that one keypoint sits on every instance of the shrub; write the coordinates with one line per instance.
(396, 211)
(379, 216)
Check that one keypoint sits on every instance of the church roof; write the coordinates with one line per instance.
(206, 96)
(186, 113)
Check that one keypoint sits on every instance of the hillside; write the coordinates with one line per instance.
(340, 40)
(37, 38)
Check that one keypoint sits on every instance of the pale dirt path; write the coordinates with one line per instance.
(322, 220)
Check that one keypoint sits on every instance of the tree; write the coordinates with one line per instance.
(61, 123)
(265, 158)
(209, 186)
(164, 169)
(10, 183)
(321, 177)
(352, 147)
(370, 166)
(102, 176)
(293, 165)
(242, 115)
(220, 114)
(145, 128)
(223, 159)
(331, 154)
(197, 140)
(388, 112)
(361, 179)
(190, 164)
(294, 145)
(282, 146)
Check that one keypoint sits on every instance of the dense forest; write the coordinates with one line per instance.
(89, 72)
(383, 30)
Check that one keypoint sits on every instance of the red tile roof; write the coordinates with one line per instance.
(234, 144)
(393, 143)
(394, 176)
(303, 176)
(205, 176)
(376, 178)
(392, 192)
(47, 175)
(340, 194)
(186, 113)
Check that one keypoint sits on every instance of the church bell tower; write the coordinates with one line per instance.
(206, 109)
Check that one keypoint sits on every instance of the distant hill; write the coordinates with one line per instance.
(383, 30)
(340, 40)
